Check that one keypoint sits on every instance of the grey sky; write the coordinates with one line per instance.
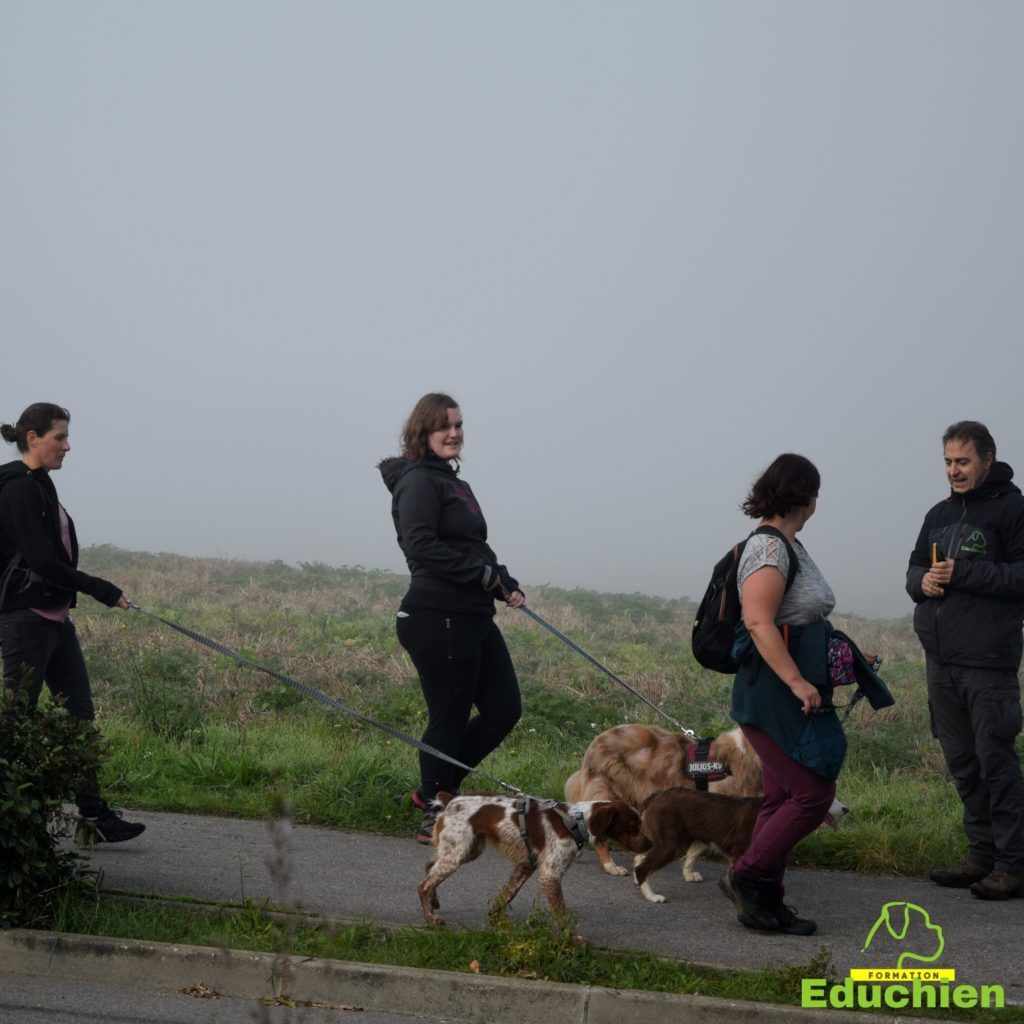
(648, 246)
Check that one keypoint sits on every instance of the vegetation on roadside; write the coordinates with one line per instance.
(192, 730)
(528, 950)
(42, 757)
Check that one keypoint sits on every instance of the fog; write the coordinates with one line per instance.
(647, 247)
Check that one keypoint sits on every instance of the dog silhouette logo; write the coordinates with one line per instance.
(899, 919)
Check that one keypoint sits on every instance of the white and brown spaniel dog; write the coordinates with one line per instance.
(554, 834)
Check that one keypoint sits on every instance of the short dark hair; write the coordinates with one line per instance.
(790, 482)
(39, 417)
(971, 430)
(430, 413)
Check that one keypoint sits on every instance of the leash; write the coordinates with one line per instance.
(322, 698)
(607, 671)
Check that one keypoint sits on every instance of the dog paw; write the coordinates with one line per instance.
(435, 919)
(614, 869)
(650, 895)
(693, 876)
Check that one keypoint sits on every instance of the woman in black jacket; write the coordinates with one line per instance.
(39, 580)
(446, 619)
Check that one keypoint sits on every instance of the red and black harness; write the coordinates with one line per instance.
(697, 764)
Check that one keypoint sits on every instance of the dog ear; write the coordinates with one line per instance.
(601, 818)
(444, 799)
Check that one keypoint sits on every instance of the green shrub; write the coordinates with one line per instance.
(42, 758)
(165, 694)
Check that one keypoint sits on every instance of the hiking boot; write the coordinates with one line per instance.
(790, 924)
(752, 910)
(106, 827)
(960, 876)
(999, 885)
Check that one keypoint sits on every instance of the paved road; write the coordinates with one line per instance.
(352, 875)
(53, 1000)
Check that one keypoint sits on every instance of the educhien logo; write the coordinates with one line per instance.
(902, 986)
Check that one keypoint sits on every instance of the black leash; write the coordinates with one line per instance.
(322, 698)
(607, 671)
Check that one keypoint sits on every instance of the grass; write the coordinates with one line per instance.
(193, 731)
(528, 950)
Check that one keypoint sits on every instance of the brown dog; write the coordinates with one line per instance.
(632, 762)
(468, 822)
(683, 822)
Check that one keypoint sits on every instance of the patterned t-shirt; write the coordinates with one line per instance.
(808, 600)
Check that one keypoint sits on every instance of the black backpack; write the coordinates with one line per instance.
(714, 627)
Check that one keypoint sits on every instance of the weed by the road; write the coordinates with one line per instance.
(529, 950)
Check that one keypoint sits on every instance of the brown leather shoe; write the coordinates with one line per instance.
(1000, 885)
(961, 876)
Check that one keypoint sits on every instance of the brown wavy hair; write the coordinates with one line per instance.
(430, 413)
(790, 482)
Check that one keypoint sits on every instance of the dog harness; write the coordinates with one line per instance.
(574, 822)
(698, 766)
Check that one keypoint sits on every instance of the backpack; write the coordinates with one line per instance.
(719, 613)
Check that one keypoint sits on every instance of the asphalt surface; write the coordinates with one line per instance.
(28, 1000)
(358, 876)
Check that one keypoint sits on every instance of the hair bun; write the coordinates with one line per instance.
(9, 432)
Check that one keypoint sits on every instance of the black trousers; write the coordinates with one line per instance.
(462, 663)
(38, 651)
(976, 716)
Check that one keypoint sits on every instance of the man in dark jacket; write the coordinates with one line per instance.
(966, 575)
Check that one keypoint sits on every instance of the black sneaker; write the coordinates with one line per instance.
(106, 827)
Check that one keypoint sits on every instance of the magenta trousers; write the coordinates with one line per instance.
(796, 801)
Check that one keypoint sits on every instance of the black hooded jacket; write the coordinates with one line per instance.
(33, 562)
(443, 535)
(978, 621)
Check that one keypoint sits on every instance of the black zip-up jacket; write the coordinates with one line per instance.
(33, 561)
(443, 535)
(978, 621)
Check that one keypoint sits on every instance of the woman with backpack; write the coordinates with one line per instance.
(38, 587)
(446, 619)
(782, 693)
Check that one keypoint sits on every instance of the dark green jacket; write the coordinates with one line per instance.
(760, 698)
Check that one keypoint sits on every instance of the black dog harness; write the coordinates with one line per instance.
(574, 822)
(698, 766)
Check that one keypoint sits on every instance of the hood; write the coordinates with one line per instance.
(999, 481)
(12, 470)
(393, 469)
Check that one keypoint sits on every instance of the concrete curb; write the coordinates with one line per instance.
(479, 999)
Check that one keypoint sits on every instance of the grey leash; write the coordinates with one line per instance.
(607, 671)
(322, 698)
